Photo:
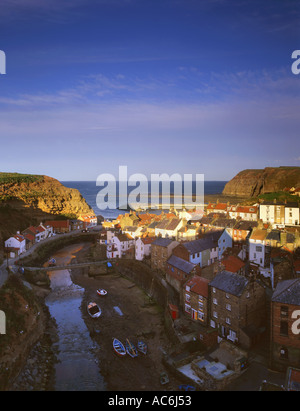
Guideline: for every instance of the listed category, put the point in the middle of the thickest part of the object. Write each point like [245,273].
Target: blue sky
[161,86]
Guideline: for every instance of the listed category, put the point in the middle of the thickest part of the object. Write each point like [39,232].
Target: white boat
[101,291]
[94,310]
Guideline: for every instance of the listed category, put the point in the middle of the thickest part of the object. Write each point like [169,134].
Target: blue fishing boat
[130,349]
[119,347]
[142,347]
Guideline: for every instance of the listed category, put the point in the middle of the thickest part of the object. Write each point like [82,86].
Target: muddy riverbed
[78,353]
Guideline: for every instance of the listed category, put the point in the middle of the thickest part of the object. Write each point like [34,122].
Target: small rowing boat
[130,349]
[142,347]
[164,378]
[119,347]
[94,310]
[101,291]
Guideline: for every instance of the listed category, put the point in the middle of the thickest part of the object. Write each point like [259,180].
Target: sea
[89,191]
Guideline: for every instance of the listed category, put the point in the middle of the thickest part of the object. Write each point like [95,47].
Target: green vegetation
[17,178]
[279,196]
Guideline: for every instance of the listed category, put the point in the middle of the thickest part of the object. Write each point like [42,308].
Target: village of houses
[236,269]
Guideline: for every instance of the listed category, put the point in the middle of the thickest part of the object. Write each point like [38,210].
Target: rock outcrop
[42,193]
[251,183]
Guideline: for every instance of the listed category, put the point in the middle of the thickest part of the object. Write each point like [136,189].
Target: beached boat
[101,291]
[119,347]
[186,387]
[94,310]
[130,349]
[164,378]
[142,347]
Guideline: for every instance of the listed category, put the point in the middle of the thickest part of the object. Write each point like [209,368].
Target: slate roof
[181,264]
[287,292]
[230,283]
[224,222]
[273,235]
[153,224]
[163,224]
[173,224]
[163,242]
[199,245]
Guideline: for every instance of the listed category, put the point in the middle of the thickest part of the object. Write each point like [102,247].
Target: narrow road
[10,262]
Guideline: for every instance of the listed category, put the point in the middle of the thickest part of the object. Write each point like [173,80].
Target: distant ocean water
[89,191]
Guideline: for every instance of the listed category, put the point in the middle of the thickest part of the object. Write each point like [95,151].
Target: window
[284,311]
[213,290]
[200,316]
[187,308]
[284,328]
[284,353]
[228,307]
[258,248]
[187,288]
[212,324]
[215,314]
[227,295]
[215,301]
[187,297]
[228,320]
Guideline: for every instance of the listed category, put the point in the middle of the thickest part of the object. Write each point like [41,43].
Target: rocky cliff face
[42,193]
[251,183]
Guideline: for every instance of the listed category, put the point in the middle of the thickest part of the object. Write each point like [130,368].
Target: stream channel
[77,368]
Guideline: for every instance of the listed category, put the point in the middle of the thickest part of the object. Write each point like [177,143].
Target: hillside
[29,199]
[252,183]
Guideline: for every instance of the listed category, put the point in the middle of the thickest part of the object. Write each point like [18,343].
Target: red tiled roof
[29,237]
[40,229]
[233,263]
[198,285]
[244,209]
[18,237]
[218,206]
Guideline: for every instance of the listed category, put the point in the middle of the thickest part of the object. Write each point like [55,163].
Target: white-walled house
[279,214]
[143,247]
[248,213]
[119,245]
[257,245]
[272,213]
[15,245]
[168,228]
[291,214]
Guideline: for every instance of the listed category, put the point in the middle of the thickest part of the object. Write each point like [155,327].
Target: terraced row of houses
[237,279]
[20,242]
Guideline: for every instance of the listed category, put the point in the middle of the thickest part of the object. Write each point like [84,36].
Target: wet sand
[126,313]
